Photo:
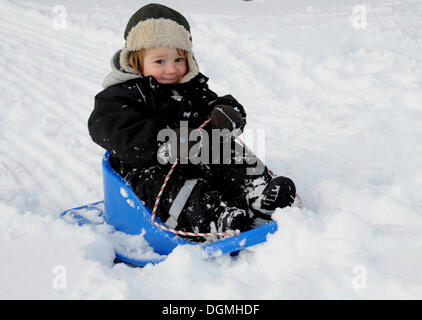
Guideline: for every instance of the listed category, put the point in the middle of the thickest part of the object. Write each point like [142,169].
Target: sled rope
[197,234]
[180,232]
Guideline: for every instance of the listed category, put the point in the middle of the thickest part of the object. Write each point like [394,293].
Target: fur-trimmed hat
[155,25]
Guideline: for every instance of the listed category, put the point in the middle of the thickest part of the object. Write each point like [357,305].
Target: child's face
[165,64]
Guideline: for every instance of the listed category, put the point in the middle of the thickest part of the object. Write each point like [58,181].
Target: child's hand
[226,117]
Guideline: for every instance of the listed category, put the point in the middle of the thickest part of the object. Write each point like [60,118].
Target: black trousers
[196,195]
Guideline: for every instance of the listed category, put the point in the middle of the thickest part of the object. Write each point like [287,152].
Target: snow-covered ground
[335,84]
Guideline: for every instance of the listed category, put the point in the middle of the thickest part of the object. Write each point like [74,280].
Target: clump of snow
[130,246]
[123,192]
[131,203]
[133,246]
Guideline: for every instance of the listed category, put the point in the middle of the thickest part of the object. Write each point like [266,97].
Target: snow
[127,245]
[123,192]
[130,202]
[339,99]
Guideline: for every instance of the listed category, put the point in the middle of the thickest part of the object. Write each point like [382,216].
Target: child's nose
[171,68]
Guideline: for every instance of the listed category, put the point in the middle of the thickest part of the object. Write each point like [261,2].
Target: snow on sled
[130,218]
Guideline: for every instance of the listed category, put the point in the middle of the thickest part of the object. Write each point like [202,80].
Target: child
[155,84]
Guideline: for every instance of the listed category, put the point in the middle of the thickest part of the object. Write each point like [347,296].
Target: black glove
[226,117]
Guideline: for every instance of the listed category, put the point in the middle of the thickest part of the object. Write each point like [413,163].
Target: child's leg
[247,184]
[188,204]
[241,179]
[207,211]
[237,187]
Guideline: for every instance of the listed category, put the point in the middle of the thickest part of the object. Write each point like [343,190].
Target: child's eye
[160,61]
[180,59]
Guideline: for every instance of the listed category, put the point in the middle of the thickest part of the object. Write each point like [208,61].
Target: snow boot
[280,192]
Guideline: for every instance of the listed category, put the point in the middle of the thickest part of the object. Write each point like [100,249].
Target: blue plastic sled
[126,213]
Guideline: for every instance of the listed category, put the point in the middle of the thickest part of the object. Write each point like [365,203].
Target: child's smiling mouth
[169,80]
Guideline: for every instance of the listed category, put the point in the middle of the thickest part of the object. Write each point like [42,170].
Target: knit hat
[155,25]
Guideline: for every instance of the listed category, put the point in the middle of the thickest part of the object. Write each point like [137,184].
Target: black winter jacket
[128,116]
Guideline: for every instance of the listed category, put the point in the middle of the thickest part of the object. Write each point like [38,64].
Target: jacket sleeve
[120,123]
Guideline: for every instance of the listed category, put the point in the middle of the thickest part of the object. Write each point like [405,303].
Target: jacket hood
[117,74]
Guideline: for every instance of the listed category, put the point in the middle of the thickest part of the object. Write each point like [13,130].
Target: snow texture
[335,84]
[130,246]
